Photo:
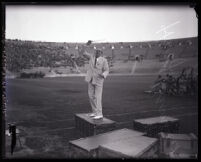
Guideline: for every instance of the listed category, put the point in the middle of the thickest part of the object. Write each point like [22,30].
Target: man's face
[98,53]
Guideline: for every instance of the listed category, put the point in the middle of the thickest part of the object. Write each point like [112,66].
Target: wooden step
[87,147]
[154,125]
[87,126]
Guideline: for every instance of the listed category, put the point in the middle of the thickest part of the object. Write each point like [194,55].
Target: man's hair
[89,42]
[99,51]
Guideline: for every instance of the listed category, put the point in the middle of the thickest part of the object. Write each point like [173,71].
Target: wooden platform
[88,126]
[87,147]
[136,147]
[153,126]
[178,145]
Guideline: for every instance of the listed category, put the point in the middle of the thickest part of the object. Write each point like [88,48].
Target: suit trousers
[95,98]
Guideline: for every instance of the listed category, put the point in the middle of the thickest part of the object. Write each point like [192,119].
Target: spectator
[171,85]
[191,83]
[157,87]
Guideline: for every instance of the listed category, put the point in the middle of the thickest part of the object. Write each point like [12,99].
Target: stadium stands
[22,55]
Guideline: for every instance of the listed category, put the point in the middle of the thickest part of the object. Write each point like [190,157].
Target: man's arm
[105,69]
[85,53]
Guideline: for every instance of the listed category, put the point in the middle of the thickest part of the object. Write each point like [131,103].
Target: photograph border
[193,4]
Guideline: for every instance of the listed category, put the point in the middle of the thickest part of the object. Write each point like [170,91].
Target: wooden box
[153,126]
[135,147]
[178,145]
[87,147]
[88,126]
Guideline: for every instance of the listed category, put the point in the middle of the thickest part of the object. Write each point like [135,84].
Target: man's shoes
[92,115]
[98,117]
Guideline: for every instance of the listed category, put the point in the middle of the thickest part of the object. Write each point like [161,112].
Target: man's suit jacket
[100,68]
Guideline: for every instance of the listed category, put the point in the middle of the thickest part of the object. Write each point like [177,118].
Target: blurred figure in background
[157,87]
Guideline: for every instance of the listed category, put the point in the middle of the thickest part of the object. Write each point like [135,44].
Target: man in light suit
[97,72]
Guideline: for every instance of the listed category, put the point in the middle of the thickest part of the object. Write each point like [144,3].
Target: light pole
[112,47]
[129,55]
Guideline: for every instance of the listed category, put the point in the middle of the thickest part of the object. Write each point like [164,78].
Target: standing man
[97,72]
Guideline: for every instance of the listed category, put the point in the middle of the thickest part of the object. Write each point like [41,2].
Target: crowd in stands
[184,83]
[26,54]
[19,57]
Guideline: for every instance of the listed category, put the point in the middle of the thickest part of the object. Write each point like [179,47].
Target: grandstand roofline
[146,41]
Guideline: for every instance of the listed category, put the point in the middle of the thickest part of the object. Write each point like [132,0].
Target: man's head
[89,42]
[98,53]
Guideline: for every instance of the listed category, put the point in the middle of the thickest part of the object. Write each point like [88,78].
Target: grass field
[44,109]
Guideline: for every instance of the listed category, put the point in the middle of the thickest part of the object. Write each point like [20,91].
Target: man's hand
[101,75]
[86,54]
